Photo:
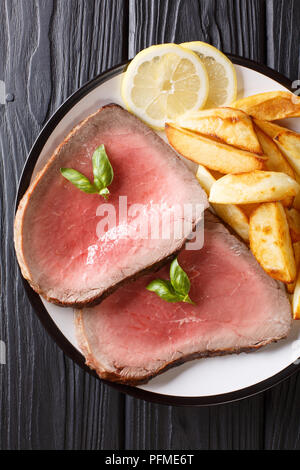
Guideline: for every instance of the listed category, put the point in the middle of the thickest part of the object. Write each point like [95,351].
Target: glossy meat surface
[74,247]
[134,334]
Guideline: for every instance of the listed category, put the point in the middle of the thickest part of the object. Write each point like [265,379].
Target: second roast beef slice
[59,249]
[134,335]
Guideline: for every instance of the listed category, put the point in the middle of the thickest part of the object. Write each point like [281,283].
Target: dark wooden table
[48,49]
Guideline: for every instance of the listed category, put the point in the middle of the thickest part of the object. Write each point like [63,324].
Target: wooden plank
[236,27]
[282,409]
[237,426]
[48,49]
[282,403]
[283,19]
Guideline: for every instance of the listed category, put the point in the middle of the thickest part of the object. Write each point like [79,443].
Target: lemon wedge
[221,74]
[163,82]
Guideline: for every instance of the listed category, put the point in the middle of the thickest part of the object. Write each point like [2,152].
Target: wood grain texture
[282,423]
[49,49]
[235,26]
[237,426]
[282,412]
[283,38]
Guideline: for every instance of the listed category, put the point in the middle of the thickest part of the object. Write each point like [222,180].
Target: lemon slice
[163,82]
[221,74]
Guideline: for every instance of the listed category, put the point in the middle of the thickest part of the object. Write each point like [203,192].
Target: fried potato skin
[230,126]
[212,154]
[293,218]
[289,143]
[270,241]
[253,187]
[270,106]
[296,247]
[231,214]
[276,161]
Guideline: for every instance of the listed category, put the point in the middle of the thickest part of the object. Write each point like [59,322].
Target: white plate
[201,381]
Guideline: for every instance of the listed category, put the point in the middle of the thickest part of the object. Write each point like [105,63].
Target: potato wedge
[205,178]
[271,105]
[293,218]
[212,154]
[296,202]
[276,161]
[296,300]
[270,241]
[227,125]
[296,247]
[232,215]
[269,128]
[289,143]
[253,187]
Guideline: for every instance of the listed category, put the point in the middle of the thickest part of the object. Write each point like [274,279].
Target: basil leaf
[175,290]
[79,180]
[164,290]
[179,279]
[102,169]
[103,175]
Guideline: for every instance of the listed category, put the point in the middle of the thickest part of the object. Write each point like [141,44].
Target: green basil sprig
[175,290]
[103,175]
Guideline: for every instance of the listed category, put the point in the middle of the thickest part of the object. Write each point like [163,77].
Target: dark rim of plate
[37,303]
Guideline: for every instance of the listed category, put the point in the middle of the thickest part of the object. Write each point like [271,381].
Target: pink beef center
[64,235]
[140,328]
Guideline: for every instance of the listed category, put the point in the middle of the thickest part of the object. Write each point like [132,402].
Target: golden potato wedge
[205,178]
[288,202]
[212,154]
[227,125]
[276,161]
[235,217]
[232,215]
[296,300]
[296,202]
[296,247]
[253,187]
[270,106]
[293,218]
[269,128]
[270,241]
[289,143]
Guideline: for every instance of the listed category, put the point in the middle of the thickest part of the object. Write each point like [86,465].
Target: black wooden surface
[48,48]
